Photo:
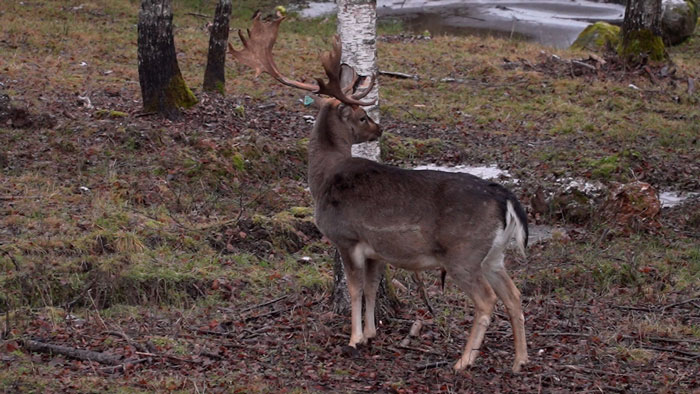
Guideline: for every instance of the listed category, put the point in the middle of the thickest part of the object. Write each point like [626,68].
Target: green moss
[598,36]
[180,94]
[640,44]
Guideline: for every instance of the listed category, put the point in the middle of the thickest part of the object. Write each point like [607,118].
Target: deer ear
[345,111]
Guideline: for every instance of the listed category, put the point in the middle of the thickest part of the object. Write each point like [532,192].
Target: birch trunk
[641,31]
[163,89]
[357,28]
[214,78]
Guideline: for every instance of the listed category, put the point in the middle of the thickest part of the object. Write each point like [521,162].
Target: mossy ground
[170,231]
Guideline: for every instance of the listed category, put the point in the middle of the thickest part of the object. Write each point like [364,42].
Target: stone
[679,19]
[598,37]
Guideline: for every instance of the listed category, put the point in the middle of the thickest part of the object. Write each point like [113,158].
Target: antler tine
[332,66]
[257,51]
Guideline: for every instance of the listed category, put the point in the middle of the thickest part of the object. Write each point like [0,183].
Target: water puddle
[671,199]
[485,172]
[549,22]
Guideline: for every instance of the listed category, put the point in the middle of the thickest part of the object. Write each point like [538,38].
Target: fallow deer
[416,220]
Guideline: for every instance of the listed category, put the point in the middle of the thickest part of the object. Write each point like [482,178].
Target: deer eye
[363,119]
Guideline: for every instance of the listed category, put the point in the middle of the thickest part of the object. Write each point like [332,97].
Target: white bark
[357,27]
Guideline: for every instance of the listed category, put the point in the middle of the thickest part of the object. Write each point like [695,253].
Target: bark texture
[214,78]
[641,31]
[357,27]
[162,87]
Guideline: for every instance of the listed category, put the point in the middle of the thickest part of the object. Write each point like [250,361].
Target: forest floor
[182,255]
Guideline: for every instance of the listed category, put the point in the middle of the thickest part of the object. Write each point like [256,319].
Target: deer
[412,219]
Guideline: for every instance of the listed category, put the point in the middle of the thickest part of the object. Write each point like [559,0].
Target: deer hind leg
[354,274]
[484,301]
[509,294]
[373,273]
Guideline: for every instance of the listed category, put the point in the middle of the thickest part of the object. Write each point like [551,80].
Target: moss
[598,36]
[180,94]
[640,44]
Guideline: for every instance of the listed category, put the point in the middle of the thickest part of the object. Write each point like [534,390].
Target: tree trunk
[357,28]
[163,89]
[641,31]
[214,79]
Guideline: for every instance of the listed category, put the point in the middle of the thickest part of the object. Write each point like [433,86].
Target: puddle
[671,199]
[488,172]
[550,22]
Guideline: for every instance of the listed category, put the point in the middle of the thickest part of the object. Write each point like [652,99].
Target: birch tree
[357,28]
[163,89]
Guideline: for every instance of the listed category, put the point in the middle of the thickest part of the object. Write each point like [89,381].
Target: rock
[598,37]
[678,20]
[577,200]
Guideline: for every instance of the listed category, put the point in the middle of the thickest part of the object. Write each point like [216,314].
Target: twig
[413,332]
[80,354]
[632,308]
[419,350]
[12,259]
[671,350]
[563,334]
[435,364]
[266,303]
[421,289]
[123,365]
[590,370]
[688,301]
[136,345]
[659,339]
[398,75]
[651,75]
[691,86]
[582,64]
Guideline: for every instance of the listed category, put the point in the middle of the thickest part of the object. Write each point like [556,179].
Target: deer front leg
[373,274]
[354,274]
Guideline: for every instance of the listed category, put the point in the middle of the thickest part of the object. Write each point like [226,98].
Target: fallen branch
[413,332]
[659,339]
[688,301]
[134,344]
[398,75]
[563,334]
[691,86]
[671,350]
[435,364]
[266,303]
[122,367]
[79,354]
[590,370]
[582,64]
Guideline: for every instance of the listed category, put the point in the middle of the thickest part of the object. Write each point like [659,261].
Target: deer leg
[509,294]
[354,274]
[484,301]
[372,277]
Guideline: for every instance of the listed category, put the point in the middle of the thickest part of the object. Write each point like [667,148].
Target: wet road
[551,22]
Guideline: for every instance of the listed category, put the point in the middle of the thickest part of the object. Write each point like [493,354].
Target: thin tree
[357,28]
[163,89]
[641,31]
[214,78]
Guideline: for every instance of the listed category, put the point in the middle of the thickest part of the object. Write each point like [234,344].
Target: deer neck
[328,146]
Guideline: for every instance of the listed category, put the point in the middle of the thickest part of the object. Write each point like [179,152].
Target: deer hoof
[518,364]
[461,364]
[349,351]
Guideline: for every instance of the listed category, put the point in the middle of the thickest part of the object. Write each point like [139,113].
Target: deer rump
[415,219]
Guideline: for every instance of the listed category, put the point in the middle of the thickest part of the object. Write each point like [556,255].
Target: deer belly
[403,247]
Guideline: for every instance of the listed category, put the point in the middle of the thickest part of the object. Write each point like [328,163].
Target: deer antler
[257,54]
